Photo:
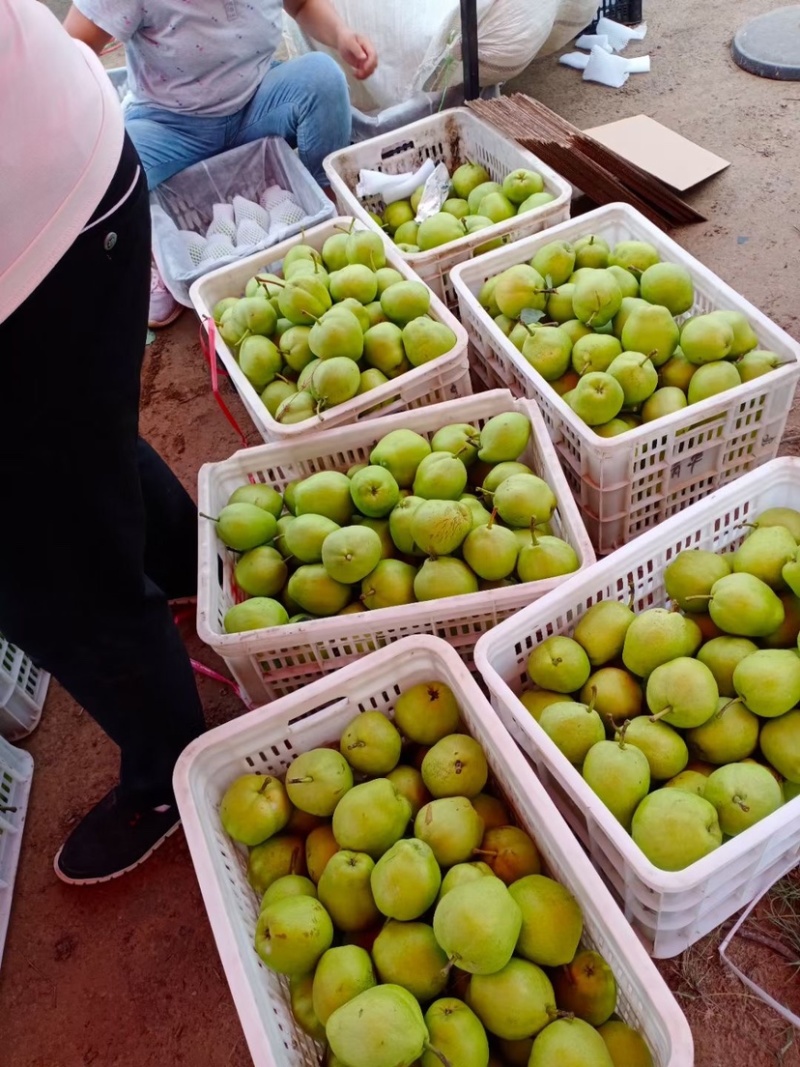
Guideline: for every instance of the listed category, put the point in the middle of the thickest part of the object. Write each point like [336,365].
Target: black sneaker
[117,835]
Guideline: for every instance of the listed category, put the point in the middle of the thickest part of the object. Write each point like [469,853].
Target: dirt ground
[127,974]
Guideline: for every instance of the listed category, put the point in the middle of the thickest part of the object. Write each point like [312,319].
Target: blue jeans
[305,101]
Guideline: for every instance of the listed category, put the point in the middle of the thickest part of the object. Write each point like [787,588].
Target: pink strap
[210,352]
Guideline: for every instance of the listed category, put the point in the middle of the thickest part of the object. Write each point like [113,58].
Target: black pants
[95,530]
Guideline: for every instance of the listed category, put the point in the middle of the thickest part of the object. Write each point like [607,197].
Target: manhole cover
[770,45]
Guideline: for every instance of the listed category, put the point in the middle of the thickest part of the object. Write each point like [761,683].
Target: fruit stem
[534,539]
[209,517]
[725,707]
[439,1055]
[263,280]
[492,517]
[265,784]
[621,730]
[299,781]
[699,596]
[739,802]
[661,714]
[631,594]
[592,698]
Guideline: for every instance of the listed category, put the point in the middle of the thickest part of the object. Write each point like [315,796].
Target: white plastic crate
[669,910]
[450,137]
[23,688]
[627,484]
[16,771]
[442,378]
[271,662]
[267,740]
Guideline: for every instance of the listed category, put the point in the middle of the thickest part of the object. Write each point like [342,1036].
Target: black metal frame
[469,49]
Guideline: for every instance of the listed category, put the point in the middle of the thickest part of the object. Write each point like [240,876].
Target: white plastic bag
[419,42]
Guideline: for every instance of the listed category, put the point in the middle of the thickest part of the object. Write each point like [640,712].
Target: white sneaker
[164,308]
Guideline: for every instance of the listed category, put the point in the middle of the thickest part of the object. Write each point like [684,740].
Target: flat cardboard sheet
[658,150]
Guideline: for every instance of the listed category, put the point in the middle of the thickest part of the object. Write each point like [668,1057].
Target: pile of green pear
[686,721]
[335,325]
[476,203]
[408,911]
[602,325]
[424,519]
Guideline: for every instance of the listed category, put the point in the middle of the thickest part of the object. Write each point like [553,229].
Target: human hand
[358,53]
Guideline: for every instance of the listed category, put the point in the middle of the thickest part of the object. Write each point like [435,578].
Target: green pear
[555,260]
[559,664]
[788,517]
[668,284]
[425,340]
[380,1027]
[743,794]
[597,398]
[365,247]
[574,728]
[321,846]
[400,520]
[517,288]
[627,282]
[595,352]
[338,334]
[253,808]
[523,499]
[552,922]
[462,873]
[515,1002]
[371,379]
[317,780]
[674,828]
[510,853]
[744,606]
[297,407]
[408,782]
[397,213]
[371,744]
[613,428]
[545,557]
[665,749]
[591,251]
[570,1042]
[710,379]
[400,452]
[456,206]
[615,694]
[627,307]
[499,472]
[764,553]
[292,934]
[768,681]
[383,348]
[651,329]
[597,299]
[633,255]
[688,781]
[626,1046]
[444,577]
[260,360]
[304,299]
[261,572]
[730,735]
[601,631]
[344,890]
[478,192]
[290,885]
[620,775]
[440,476]
[744,338]
[496,206]
[548,350]
[374,491]
[242,526]
[477,925]
[325,493]
[790,574]
[256,613]
[721,655]
[227,302]
[439,229]
[656,636]
[301,253]
[370,817]
[706,339]
[390,584]
[683,692]
[334,252]
[305,536]
[486,296]
[294,348]
[374,313]
[456,1034]
[691,575]
[406,880]
[314,591]
[350,554]
[461,439]
[427,712]
[637,376]
[559,305]
[342,973]
[780,744]
[536,201]
[455,766]
[491,551]
[587,988]
[522,183]
[334,381]
[664,401]
[756,363]
[263,496]
[407,954]
[256,314]
[440,526]
[504,437]
[677,372]
[451,827]
[279,855]
[466,177]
